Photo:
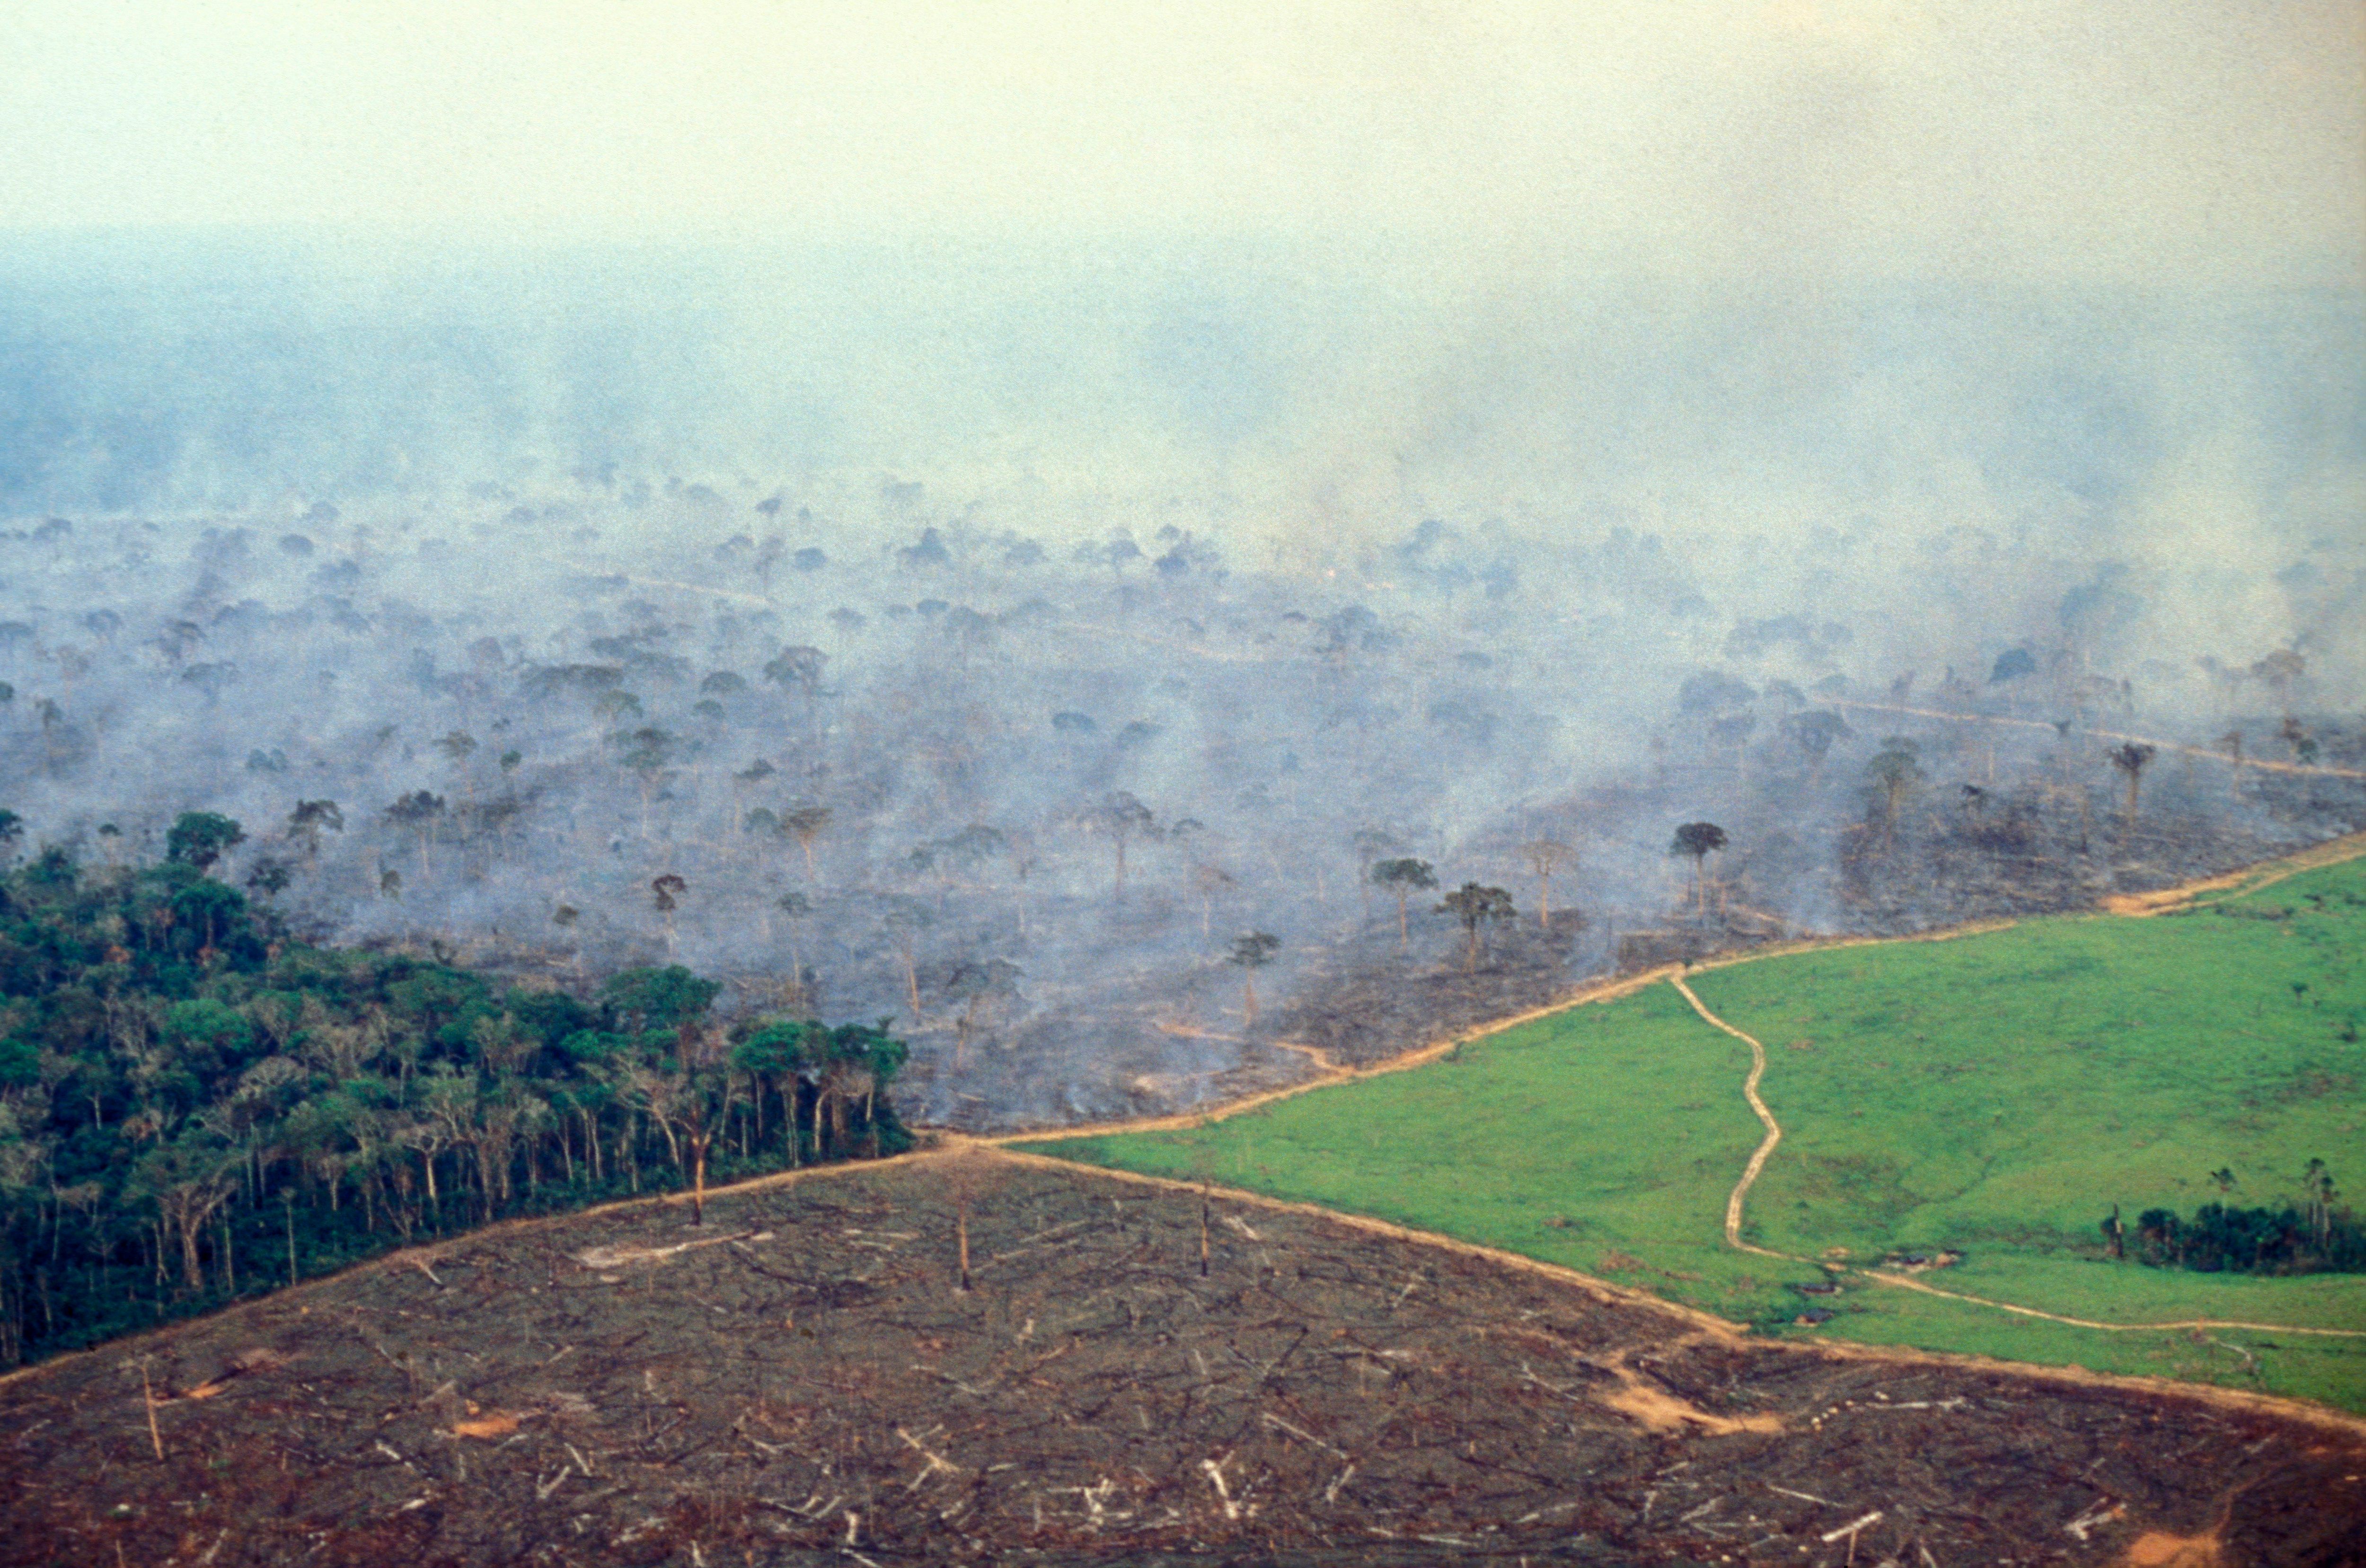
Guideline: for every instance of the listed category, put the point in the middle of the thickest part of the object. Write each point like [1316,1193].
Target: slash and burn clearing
[814,1387]
[1985,1101]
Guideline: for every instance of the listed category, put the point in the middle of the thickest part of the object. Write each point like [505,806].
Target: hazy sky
[2152,139]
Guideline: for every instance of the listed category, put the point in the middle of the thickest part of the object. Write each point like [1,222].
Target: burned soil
[802,1380]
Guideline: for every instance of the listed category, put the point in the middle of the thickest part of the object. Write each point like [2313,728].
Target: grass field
[1996,1094]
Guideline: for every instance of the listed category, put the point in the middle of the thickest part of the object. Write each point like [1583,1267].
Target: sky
[2169,142]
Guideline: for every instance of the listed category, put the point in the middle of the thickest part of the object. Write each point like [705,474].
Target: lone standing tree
[1404,878]
[1895,771]
[1545,856]
[1475,907]
[805,825]
[1700,840]
[1122,819]
[1252,951]
[2132,758]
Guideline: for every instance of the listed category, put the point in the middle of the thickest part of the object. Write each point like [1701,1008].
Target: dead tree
[1544,857]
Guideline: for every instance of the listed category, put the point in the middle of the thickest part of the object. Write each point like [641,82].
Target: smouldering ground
[815,1389]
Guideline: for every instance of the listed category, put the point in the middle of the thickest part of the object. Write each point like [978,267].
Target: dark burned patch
[1322,1396]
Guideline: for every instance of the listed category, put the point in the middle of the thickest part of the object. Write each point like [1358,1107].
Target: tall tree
[309,821]
[1814,732]
[2132,757]
[806,824]
[459,746]
[1120,818]
[800,668]
[189,1178]
[1700,840]
[1252,952]
[666,894]
[978,986]
[1477,907]
[1405,877]
[796,906]
[1895,771]
[1544,857]
[419,811]
[646,753]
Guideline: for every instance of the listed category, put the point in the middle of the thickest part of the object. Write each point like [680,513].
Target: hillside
[1991,1097]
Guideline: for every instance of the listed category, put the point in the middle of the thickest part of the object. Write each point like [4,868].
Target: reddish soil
[809,1386]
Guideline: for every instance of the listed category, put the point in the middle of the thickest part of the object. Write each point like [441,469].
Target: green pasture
[1994,1094]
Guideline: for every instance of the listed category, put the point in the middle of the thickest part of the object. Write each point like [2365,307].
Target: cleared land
[1993,1095]
[809,1387]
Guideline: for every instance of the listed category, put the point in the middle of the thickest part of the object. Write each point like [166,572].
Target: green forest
[195,1107]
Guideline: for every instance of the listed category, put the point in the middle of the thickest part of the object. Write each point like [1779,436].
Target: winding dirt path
[1774,1135]
[1774,1129]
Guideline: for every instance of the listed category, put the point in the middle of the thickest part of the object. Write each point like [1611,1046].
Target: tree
[459,746]
[2132,758]
[1895,771]
[2279,671]
[2317,1194]
[1700,840]
[2303,744]
[643,999]
[977,985]
[645,753]
[12,833]
[309,821]
[1476,907]
[776,1056]
[806,824]
[418,811]
[1814,732]
[201,838]
[1210,881]
[1403,877]
[800,668]
[1121,818]
[2013,664]
[858,1061]
[270,878]
[1252,952]
[796,906]
[187,1180]
[906,922]
[701,1104]
[666,893]
[1544,857]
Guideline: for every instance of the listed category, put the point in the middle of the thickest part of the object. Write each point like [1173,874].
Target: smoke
[1317,560]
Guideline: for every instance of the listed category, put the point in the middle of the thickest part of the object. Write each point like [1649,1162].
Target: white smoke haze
[1462,393]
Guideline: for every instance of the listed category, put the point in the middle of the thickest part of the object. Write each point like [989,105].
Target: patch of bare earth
[810,1387]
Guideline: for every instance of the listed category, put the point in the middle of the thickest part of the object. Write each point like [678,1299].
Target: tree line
[195,1106]
[2311,1237]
